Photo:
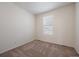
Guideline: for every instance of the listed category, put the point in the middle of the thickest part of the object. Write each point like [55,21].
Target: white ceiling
[40,7]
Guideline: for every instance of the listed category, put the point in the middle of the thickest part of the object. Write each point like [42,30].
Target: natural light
[47,25]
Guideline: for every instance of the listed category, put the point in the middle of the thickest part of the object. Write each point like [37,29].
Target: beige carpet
[39,48]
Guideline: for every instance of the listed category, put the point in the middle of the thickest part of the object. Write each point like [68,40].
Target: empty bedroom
[39,29]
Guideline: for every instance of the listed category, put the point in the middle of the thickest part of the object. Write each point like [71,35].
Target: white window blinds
[48,25]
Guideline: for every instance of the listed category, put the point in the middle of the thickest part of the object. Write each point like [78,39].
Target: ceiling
[40,7]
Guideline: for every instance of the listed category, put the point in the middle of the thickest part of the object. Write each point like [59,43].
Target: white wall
[16,26]
[64,26]
[77,28]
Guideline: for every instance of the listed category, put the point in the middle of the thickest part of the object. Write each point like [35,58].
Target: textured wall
[16,26]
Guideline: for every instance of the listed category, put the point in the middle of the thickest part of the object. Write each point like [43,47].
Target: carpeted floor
[39,48]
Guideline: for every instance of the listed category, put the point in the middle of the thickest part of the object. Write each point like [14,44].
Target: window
[47,25]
